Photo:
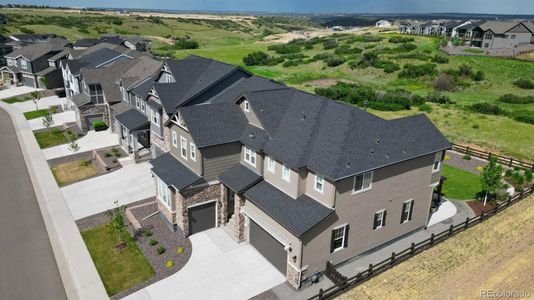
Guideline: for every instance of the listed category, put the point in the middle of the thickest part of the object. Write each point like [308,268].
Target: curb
[77,270]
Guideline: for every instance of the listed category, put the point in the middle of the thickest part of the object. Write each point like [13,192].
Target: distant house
[36,65]
[383,23]
[447,28]
[502,35]
[136,42]
[3,19]
[411,27]
[86,43]
[465,30]
[338,28]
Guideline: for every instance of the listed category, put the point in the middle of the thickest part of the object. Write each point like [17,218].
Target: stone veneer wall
[92,110]
[222,205]
[239,229]
[191,197]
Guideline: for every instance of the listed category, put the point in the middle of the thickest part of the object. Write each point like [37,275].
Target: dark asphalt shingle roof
[92,60]
[87,42]
[226,123]
[155,105]
[239,178]
[253,83]
[173,172]
[254,137]
[143,88]
[133,119]
[296,215]
[39,49]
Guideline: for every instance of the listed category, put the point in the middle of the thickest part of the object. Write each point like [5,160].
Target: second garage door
[268,246]
[201,217]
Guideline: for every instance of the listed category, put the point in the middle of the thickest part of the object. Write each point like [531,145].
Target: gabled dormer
[249,112]
[165,75]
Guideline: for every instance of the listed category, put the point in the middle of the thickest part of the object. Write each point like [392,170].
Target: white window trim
[344,226]
[270,164]
[382,212]
[354,192]
[246,105]
[155,115]
[163,190]
[174,139]
[437,156]
[192,151]
[251,154]
[317,179]
[183,145]
[24,64]
[410,208]
[286,177]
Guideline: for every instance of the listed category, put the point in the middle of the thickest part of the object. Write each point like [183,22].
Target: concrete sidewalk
[16,91]
[361,262]
[129,184]
[59,119]
[43,103]
[78,273]
[91,141]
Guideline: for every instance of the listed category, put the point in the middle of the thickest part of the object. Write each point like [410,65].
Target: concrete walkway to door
[219,268]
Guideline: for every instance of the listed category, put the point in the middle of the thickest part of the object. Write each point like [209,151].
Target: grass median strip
[118,270]
[51,138]
[36,114]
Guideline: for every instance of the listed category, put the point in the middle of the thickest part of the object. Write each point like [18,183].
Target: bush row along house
[487,35]
[302,178]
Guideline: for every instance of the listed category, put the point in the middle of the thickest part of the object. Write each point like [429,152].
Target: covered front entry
[268,246]
[201,217]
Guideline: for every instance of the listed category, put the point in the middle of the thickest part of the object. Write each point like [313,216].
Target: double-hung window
[174,139]
[339,238]
[246,105]
[363,182]
[319,184]
[155,118]
[137,102]
[380,219]
[164,194]
[270,164]
[437,162]
[407,208]
[193,151]
[250,156]
[23,64]
[286,174]
[183,147]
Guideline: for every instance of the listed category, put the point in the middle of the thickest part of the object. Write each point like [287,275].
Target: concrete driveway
[129,184]
[91,141]
[42,104]
[16,91]
[219,268]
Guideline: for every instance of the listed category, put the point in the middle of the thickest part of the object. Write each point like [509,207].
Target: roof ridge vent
[378,140]
[251,136]
[347,164]
[303,116]
[372,151]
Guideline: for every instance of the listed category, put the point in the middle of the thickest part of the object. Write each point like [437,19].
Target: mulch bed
[109,157]
[160,232]
[479,208]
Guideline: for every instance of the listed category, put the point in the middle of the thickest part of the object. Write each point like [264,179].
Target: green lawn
[36,114]
[118,270]
[47,139]
[476,51]
[13,100]
[460,185]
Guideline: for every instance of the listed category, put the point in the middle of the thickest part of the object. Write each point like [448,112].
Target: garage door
[28,81]
[201,217]
[268,246]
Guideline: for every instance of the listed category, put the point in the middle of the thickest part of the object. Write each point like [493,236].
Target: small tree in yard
[36,97]
[48,121]
[490,178]
[117,223]
[73,146]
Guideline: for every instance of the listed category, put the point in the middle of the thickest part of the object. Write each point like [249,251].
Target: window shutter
[403,213]
[411,210]
[376,224]
[332,242]
[346,239]
[384,220]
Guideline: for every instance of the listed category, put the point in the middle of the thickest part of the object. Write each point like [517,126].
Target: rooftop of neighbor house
[499,27]
[34,51]
[145,67]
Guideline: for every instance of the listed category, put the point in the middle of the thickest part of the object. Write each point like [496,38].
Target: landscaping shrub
[477,76]
[528,175]
[487,108]
[367,38]
[292,63]
[169,264]
[285,48]
[523,116]
[180,250]
[329,44]
[349,93]
[345,49]
[414,55]
[508,173]
[334,61]
[467,157]
[368,59]
[440,59]
[444,82]
[524,84]
[465,70]
[415,71]
[185,43]
[425,107]
[391,67]
[147,232]
[406,47]
[400,39]
[99,125]
[259,59]
[439,98]
[160,250]
[117,21]
[86,163]
[514,99]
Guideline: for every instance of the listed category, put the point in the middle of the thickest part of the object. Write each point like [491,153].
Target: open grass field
[118,270]
[480,258]
[460,185]
[74,171]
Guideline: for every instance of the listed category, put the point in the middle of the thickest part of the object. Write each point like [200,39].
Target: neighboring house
[85,43]
[302,178]
[446,29]
[383,23]
[465,30]
[35,65]
[411,27]
[136,42]
[4,49]
[428,28]
[501,35]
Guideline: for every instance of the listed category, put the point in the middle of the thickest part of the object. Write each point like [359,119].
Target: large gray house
[502,35]
[302,178]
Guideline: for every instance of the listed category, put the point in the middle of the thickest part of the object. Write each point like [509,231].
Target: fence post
[509,201]
[496,209]
[370,270]
[450,229]
[521,193]
[432,236]
[510,163]
[482,217]
[489,155]
[412,248]
[466,222]
[392,258]
[321,294]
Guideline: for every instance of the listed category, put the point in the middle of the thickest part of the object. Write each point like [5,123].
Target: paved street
[28,269]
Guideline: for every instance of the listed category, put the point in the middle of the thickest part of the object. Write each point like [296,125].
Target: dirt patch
[479,208]
[161,39]
[286,37]
[477,259]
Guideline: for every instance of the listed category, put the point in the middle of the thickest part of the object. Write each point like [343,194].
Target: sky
[523,7]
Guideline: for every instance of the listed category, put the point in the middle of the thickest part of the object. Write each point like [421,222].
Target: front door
[201,217]
[230,207]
